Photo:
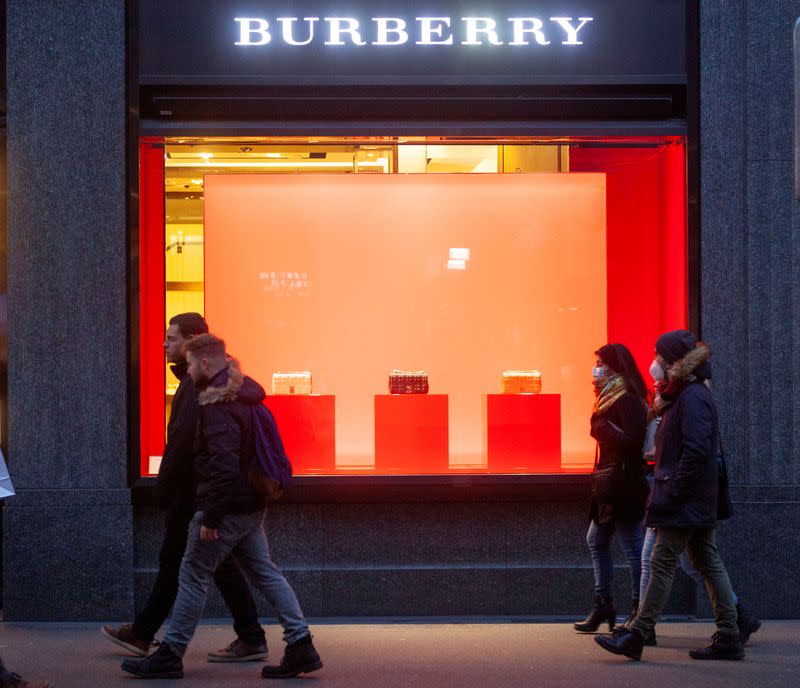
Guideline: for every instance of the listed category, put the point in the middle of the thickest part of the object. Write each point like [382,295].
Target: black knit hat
[674,345]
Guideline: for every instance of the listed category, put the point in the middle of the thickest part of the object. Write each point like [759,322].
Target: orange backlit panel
[523,433]
[464,276]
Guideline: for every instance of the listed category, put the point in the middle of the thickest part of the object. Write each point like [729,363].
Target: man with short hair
[683,501]
[229,519]
[176,493]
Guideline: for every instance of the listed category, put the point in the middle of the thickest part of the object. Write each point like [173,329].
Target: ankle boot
[603,611]
[300,657]
[629,642]
[722,646]
[163,663]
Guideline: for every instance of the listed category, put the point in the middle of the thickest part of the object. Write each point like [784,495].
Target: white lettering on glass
[253,25]
[288,29]
[531,25]
[571,31]
[484,25]
[434,27]
[397,29]
[343,25]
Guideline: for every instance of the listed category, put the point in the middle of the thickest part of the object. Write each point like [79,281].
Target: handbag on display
[521,382]
[291,383]
[408,382]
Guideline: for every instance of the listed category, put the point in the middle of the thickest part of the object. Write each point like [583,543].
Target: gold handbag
[291,383]
[408,382]
[521,382]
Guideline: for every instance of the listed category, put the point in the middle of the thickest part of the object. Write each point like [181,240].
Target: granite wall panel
[67,259]
[67,313]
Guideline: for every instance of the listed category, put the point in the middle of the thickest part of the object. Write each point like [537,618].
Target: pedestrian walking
[176,494]
[619,490]
[229,518]
[682,506]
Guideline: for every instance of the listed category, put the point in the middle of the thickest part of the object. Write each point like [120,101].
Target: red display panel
[152,401]
[523,433]
[307,426]
[411,433]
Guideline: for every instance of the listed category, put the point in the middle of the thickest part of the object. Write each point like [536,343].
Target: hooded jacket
[175,486]
[686,484]
[225,445]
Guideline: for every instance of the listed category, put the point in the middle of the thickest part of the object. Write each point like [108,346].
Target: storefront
[418,188]
[463,195]
[346,190]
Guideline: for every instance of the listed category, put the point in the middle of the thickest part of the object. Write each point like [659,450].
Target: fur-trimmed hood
[229,385]
[694,363]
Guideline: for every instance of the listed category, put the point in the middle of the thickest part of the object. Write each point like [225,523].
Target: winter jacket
[175,486]
[686,484]
[620,435]
[225,445]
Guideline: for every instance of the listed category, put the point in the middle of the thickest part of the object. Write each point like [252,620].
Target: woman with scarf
[619,489]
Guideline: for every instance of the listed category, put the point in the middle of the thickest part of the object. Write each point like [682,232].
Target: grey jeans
[243,536]
[703,555]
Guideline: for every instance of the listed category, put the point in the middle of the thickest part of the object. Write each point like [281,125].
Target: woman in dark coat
[619,489]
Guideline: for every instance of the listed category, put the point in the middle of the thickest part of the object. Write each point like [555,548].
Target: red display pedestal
[307,426]
[411,434]
[524,433]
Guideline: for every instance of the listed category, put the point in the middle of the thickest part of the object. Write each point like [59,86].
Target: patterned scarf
[614,389]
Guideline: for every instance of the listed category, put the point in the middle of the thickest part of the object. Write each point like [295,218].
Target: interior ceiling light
[273,155]
[206,156]
[197,181]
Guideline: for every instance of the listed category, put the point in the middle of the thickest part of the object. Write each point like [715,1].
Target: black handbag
[607,483]
[724,504]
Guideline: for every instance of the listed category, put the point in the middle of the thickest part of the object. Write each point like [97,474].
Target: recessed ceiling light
[206,156]
[273,155]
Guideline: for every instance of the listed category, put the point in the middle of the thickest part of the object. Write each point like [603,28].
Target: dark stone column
[751,272]
[68,534]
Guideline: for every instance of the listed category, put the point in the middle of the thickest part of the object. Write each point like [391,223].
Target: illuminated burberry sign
[396,31]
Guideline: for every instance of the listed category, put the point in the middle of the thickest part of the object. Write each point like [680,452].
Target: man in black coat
[229,519]
[176,494]
[683,502]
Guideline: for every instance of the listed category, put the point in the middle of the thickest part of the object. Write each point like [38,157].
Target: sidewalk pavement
[500,654]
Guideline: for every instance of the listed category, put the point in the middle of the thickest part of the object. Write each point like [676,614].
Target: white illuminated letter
[487,26]
[340,25]
[433,27]
[531,25]
[572,32]
[253,25]
[288,29]
[398,29]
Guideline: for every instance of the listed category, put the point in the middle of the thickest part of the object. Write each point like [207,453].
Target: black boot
[163,663]
[300,657]
[628,642]
[603,611]
[650,641]
[747,623]
[722,646]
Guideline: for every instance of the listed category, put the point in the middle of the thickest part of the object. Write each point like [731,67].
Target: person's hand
[209,534]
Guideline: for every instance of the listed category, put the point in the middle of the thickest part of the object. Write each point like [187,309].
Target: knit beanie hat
[674,345]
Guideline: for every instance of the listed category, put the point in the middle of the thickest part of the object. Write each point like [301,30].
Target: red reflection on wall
[646,239]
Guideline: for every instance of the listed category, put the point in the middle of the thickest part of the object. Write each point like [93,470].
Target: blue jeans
[243,536]
[599,540]
[683,561]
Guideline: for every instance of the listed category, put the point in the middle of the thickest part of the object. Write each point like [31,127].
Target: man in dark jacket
[229,519]
[683,502]
[176,493]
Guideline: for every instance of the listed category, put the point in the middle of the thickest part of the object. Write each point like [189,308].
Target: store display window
[413,306]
